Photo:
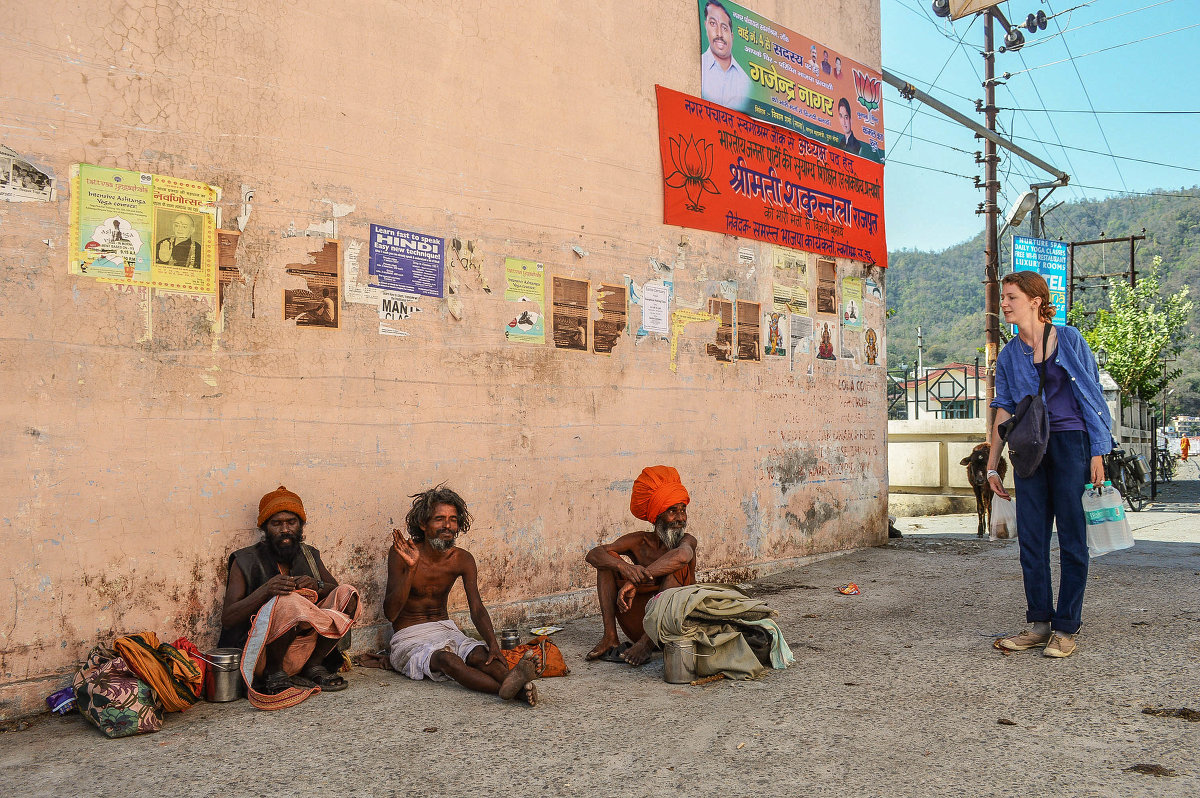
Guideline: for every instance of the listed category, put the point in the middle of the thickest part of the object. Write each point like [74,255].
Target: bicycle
[1166,465]
[1127,472]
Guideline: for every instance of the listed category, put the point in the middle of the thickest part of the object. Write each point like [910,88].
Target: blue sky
[1145,64]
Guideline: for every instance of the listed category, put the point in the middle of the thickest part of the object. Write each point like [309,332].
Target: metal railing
[938,393]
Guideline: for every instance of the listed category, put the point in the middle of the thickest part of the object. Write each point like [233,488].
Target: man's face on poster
[844,118]
[182,227]
[720,32]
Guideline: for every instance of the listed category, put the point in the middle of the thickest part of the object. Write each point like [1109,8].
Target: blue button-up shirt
[1017,377]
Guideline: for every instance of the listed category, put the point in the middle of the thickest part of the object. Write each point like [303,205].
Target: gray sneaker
[1060,645]
[1024,640]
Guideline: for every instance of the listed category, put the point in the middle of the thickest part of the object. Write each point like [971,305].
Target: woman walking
[1080,434]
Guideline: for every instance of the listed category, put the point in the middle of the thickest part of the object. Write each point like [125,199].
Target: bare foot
[521,675]
[639,652]
[529,694]
[605,645]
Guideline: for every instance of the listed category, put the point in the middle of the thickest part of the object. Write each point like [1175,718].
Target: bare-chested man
[663,557]
[422,568]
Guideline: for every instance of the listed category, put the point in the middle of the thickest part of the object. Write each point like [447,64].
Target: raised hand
[407,550]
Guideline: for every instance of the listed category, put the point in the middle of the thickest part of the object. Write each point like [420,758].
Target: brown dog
[976,464]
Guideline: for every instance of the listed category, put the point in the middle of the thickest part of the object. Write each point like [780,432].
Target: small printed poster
[402,260]
[777,334]
[525,284]
[852,298]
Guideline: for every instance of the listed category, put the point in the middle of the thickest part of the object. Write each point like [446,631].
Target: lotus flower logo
[868,89]
[693,162]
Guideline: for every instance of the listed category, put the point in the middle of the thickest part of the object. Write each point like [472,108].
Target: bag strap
[1042,373]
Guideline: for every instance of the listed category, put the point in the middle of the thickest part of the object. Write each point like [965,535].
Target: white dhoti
[411,648]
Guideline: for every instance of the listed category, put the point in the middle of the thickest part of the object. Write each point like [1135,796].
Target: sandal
[328,682]
[279,681]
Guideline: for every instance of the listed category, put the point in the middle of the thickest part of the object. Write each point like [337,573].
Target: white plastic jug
[1107,527]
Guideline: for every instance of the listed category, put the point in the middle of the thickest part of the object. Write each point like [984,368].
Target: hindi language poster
[405,261]
[135,228]
[727,173]
[751,64]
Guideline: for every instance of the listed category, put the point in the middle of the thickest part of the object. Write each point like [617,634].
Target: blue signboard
[405,261]
[1049,259]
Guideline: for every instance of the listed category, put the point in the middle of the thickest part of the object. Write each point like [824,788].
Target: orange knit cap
[278,501]
[656,489]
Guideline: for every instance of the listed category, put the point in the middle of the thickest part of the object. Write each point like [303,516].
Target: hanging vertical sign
[1049,259]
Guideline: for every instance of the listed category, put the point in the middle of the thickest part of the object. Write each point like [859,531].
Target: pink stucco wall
[139,430]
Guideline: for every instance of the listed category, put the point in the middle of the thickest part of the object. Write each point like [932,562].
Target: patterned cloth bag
[113,698]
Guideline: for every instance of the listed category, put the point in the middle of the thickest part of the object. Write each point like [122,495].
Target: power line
[931,141]
[1087,96]
[1072,58]
[890,161]
[1143,193]
[1120,157]
[1063,32]
[1085,111]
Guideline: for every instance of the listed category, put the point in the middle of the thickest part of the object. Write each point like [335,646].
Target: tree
[1139,330]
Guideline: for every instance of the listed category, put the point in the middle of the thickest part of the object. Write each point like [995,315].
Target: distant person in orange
[1184,445]
[662,557]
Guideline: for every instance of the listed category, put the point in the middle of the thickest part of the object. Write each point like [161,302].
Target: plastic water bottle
[1104,512]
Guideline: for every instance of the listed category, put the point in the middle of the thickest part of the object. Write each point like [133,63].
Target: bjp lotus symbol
[868,89]
[693,162]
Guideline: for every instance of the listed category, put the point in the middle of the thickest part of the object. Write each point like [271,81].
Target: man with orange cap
[285,609]
[633,568]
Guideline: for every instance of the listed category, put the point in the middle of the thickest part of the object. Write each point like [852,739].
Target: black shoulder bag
[1028,431]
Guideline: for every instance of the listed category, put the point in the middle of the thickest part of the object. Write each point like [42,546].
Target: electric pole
[991,248]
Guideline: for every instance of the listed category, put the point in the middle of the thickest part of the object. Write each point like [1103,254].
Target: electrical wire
[1072,58]
[1063,32]
[928,169]
[1119,157]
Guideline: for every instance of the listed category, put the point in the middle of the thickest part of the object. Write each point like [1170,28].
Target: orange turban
[656,489]
[278,501]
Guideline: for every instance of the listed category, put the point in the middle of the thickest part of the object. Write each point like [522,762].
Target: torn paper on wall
[394,306]
[800,332]
[317,305]
[569,302]
[356,289]
[21,181]
[749,331]
[227,268]
[680,319]
[606,330]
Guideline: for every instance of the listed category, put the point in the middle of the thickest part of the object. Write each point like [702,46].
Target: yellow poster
[135,228]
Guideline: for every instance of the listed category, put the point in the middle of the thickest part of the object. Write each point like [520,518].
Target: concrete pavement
[895,692]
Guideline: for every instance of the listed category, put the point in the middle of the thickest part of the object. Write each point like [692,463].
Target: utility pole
[991,248]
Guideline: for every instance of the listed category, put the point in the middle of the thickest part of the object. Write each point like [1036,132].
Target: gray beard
[442,545]
[670,536]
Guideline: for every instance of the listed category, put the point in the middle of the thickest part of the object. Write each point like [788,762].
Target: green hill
[942,292]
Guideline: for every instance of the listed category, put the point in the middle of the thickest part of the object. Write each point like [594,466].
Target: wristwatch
[993,473]
[320,585]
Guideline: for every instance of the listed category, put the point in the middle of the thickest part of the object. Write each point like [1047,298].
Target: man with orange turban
[633,568]
[285,610]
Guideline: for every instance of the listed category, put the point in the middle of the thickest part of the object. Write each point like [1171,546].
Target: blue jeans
[1055,494]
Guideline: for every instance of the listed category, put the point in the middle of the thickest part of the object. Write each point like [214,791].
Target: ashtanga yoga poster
[135,228]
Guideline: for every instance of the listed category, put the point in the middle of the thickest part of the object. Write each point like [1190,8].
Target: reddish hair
[1033,285]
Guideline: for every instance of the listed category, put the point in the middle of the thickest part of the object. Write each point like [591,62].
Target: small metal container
[679,661]
[509,638]
[223,681]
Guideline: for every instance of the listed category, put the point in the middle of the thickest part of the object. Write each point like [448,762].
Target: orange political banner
[728,173]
